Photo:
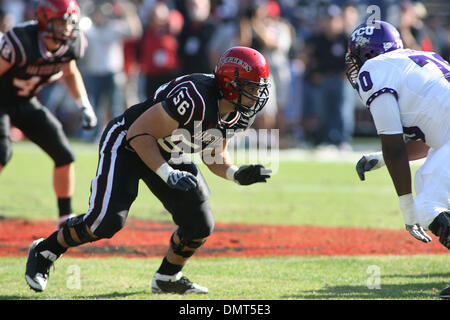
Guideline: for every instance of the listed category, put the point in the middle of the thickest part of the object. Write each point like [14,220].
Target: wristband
[230,172]
[164,171]
[406,203]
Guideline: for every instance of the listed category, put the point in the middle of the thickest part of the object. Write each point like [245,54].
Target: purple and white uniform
[417,105]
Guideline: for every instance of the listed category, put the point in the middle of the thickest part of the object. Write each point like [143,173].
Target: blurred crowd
[134,46]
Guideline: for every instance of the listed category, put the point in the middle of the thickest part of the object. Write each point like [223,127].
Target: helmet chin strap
[56,41]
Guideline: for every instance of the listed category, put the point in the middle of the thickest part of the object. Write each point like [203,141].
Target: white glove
[89,118]
[406,203]
[88,114]
[417,232]
[369,162]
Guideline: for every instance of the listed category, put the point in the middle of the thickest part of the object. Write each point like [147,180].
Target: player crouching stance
[408,94]
[141,144]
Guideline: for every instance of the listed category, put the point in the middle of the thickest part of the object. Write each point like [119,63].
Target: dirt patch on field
[141,238]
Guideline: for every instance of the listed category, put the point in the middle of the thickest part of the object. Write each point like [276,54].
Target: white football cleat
[175,284]
[38,266]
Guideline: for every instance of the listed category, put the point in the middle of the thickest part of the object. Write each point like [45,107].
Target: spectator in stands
[6,21]
[158,54]
[263,29]
[350,17]
[324,80]
[194,37]
[275,36]
[15,11]
[445,52]
[103,64]
[435,30]
[411,26]
[226,32]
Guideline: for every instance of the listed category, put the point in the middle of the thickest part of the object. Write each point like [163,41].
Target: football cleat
[177,284]
[38,266]
[445,293]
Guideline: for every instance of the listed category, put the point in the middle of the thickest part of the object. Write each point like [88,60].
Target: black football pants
[115,187]
[40,126]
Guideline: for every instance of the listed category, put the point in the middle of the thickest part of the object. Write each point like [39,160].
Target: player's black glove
[249,174]
[182,180]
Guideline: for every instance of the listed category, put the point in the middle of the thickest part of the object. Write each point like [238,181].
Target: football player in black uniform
[33,54]
[193,113]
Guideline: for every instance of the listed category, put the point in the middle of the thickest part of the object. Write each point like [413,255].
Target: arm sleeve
[386,114]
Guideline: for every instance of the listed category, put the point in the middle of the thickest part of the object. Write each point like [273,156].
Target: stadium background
[304,42]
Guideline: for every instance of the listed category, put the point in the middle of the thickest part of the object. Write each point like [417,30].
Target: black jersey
[33,65]
[192,100]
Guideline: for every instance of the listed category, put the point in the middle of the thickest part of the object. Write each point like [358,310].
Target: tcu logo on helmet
[368,31]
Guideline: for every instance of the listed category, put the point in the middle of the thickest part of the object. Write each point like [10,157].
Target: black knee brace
[190,245]
[80,228]
[441,228]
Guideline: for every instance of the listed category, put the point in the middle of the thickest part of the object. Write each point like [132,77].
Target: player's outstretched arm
[142,136]
[244,175]
[416,150]
[218,160]
[75,86]
[397,161]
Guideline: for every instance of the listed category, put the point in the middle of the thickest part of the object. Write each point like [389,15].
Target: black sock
[168,268]
[65,206]
[51,244]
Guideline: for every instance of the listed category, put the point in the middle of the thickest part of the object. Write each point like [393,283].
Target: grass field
[303,192]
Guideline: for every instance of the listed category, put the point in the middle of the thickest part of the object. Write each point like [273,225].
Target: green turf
[372,277]
[300,193]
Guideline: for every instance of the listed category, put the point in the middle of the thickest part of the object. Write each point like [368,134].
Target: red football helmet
[243,72]
[58,19]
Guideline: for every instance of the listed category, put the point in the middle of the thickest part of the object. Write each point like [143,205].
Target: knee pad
[186,248]
[76,231]
[111,224]
[441,228]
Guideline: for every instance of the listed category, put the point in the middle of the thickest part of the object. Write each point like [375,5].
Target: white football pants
[432,186]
